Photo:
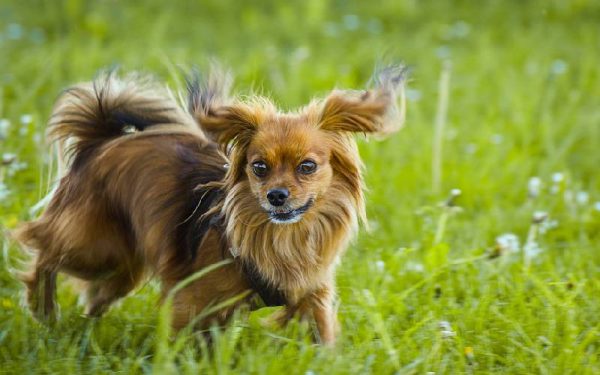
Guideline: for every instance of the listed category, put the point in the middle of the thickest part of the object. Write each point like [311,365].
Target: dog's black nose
[278,196]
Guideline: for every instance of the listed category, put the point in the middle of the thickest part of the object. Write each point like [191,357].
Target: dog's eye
[307,167]
[260,168]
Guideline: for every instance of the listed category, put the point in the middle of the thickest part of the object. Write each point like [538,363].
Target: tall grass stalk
[440,125]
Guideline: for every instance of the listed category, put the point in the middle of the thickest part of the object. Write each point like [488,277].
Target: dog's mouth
[289,216]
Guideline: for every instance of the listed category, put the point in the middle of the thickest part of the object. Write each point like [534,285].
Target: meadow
[483,252]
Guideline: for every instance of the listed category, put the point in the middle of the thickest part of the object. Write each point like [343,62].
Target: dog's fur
[153,190]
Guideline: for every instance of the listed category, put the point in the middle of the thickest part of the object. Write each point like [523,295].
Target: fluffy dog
[154,190]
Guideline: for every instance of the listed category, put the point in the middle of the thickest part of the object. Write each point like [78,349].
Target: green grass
[523,101]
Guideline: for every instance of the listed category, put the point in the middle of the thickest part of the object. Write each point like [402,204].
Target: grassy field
[485,283]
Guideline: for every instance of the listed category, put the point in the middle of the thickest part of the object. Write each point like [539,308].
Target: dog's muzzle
[289,216]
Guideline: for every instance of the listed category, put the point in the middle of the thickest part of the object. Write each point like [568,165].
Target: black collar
[270,295]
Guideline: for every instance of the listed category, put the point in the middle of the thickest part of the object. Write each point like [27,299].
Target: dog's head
[294,162]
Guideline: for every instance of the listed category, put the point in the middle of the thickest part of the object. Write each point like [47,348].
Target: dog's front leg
[324,314]
[317,305]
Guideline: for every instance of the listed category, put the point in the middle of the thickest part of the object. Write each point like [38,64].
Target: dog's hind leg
[41,292]
[102,293]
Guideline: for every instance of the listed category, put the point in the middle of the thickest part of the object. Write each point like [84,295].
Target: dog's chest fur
[293,258]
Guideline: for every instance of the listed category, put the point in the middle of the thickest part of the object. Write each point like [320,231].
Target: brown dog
[154,190]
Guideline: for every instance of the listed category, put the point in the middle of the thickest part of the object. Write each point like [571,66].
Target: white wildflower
[547,225]
[4,125]
[380,264]
[8,158]
[534,186]
[446,329]
[351,21]
[443,52]
[582,198]
[531,249]
[508,242]
[14,31]
[460,29]
[415,267]
[497,139]
[4,192]
[557,177]
[26,119]
[539,216]
[470,148]
[559,67]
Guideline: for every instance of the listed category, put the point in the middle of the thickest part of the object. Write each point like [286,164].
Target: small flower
[497,139]
[26,119]
[460,29]
[557,177]
[539,216]
[547,225]
[8,158]
[380,264]
[415,267]
[14,31]
[534,186]
[582,198]
[443,52]
[470,148]
[508,243]
[446,329]
[4,192]
[455,192]
[531,249]
[351,21]
[4,125]
[597,206]
[559,67]
[451,200]
[469,354]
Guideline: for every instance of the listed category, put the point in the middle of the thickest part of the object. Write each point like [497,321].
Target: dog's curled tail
[90,114]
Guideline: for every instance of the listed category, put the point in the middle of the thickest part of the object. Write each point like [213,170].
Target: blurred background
[484,250]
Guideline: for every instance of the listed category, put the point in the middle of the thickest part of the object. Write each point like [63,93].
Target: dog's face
[288,169]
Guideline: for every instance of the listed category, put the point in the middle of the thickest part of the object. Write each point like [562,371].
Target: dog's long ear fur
[373,111]
[218,116]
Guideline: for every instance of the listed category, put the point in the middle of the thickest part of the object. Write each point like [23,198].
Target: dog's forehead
[291,137]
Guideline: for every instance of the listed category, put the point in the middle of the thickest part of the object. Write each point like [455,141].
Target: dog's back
[132,191]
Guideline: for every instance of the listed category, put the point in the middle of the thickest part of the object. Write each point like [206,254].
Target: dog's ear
[379,110]
[210,104]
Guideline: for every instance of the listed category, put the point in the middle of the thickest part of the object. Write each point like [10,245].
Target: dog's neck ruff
[290,258]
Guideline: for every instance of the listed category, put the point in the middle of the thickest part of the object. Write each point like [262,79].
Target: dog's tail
[90,114]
